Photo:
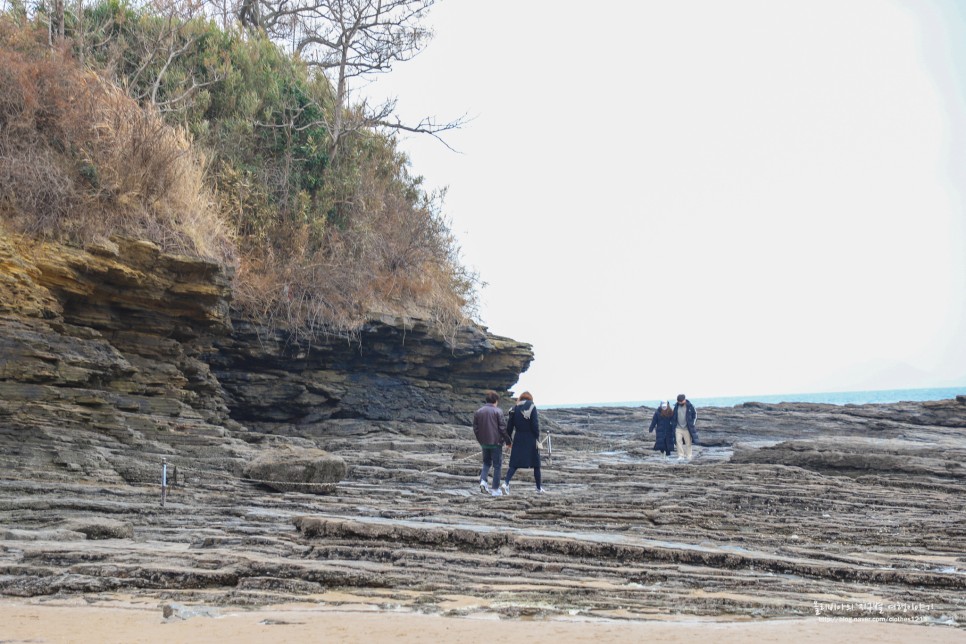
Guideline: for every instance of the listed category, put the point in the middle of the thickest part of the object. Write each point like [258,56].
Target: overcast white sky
[720,198]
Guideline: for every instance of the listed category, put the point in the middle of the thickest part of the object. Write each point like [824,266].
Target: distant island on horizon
[882,396]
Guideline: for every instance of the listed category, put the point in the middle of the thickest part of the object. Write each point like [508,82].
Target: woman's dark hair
[526,396]
[666,411]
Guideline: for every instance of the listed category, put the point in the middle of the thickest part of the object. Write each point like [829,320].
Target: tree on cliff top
[350,40]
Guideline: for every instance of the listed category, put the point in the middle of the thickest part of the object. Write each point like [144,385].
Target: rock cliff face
[119,353]
[395,370]
[101,359]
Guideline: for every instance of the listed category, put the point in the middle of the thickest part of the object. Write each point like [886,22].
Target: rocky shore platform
[339,472]
[786,511]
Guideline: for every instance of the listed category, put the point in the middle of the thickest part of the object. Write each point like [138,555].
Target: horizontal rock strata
[116,357]
[392,369]
[102,361]
[620,534]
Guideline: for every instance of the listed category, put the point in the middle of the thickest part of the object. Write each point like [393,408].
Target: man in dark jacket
[683,423]
[490,430]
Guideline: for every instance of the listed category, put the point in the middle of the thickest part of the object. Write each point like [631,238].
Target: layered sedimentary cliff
[395,369]
[119,354]
[102,359]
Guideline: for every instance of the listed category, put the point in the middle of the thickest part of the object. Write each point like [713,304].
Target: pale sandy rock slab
[41,535]
[101,528]
[297,469]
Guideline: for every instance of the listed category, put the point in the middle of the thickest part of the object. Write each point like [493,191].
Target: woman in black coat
[665,433]
[523,426]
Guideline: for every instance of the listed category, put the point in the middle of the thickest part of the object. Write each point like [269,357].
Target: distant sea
[831,398]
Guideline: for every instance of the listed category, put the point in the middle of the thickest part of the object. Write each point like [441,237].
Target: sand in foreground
[22,621]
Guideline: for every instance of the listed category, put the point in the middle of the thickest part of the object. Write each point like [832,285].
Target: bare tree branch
[350,40]
[172,55]
[176,102]
[427,126]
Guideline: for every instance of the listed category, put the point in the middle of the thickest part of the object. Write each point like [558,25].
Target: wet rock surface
[785,510]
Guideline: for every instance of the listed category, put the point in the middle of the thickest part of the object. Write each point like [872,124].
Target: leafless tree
[57,21]
[350,41]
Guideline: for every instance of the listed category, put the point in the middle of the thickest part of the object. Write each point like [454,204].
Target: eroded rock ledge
[396,370]
[116,355]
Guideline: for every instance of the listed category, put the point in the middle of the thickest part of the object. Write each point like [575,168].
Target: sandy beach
[77,620]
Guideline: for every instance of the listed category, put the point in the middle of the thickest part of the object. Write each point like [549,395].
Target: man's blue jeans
[492,456]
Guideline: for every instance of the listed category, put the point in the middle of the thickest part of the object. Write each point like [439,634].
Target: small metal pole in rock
[164,479]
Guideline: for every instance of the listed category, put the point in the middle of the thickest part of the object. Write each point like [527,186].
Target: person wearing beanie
[664,442]
[682,420]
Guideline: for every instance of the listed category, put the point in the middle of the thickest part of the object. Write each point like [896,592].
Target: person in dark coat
[665,432]
[523,426]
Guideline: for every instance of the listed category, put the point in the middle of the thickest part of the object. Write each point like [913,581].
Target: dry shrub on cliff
[386,250]
[337,288]
[322,241]
[80,160]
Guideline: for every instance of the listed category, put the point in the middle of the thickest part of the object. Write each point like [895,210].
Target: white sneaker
[680,459]
[496,493]
[484,488]
[505,489]
[540,490]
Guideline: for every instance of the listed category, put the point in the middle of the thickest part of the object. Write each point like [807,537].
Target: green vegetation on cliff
[214,141]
